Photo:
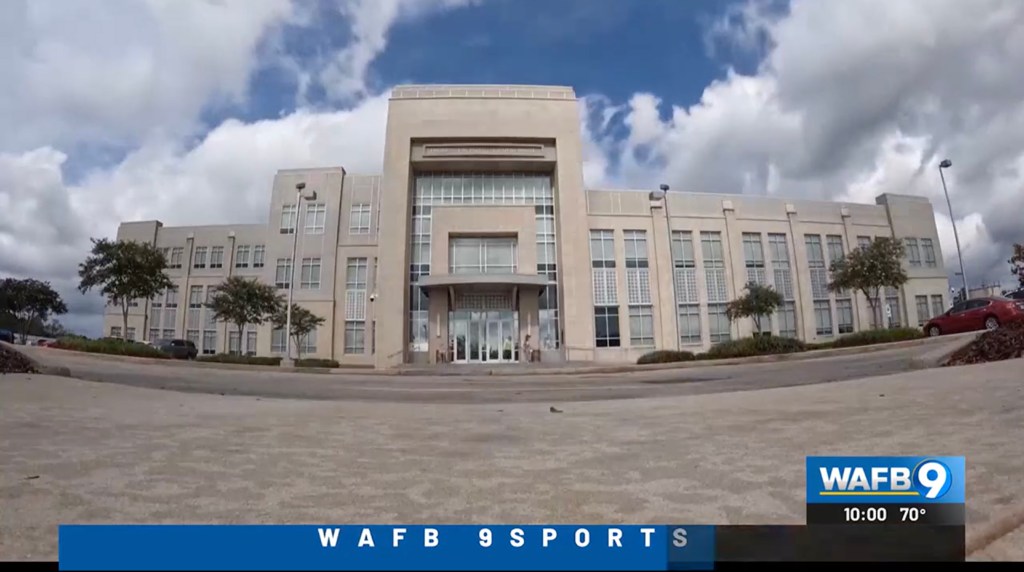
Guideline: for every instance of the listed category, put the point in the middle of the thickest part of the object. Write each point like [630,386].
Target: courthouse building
[481,232]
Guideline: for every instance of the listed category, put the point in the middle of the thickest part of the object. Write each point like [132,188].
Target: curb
[617,368]
[1006,523]
[59,371]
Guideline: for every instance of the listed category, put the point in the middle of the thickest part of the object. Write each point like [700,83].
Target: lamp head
[300,186]
[945,164]
[663,187]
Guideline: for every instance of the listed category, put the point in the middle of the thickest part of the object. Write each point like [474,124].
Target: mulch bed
[1005,343]
[14,362]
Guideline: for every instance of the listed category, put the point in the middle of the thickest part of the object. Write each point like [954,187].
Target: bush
[240,359]
[869,337]
[111,346]
[317,362]
[13,362]
[665,356]
[761,345]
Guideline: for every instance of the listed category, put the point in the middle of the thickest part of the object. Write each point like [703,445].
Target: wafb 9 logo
[885,479]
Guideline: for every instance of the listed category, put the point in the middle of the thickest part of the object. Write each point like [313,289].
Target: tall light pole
[672,265]
[945,164]
[299,187]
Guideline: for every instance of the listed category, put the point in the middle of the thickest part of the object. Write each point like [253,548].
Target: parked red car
[976,314]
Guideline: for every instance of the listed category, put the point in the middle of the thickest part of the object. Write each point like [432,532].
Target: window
[217,257]
[283,273]
[195,297]
[482,256]
[913,252]
[359,219]
[242,256]
[192,336]
[355,289]
[289,214]
[278,341]
[753,254]
[200,258]
[308,345]
[835,254]
[154,334]
[316,215]
[602,261]
[892,301]
[259,253]
[250,343]
[234,342]
[130,333]
[844,316]
[355,337]
[938,308]
[547,265]
[419,266]
[719,326]
[115,331]
[209,342]
[641,326]
[863,241]
[685,284]
[464,188]
[823,317]
[309,274]
[816,266]
[176,255]
[929,252]
[922,309]
[606,327]
[783,276]
[168,333]
[170,311]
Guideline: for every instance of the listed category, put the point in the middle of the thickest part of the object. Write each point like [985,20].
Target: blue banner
[893,480]
[385,547]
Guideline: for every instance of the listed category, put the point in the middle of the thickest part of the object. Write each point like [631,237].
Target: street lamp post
[945,164]
[299,187]
[672,265]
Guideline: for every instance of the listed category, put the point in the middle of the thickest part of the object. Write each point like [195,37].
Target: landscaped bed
[13,362]
[1006,342]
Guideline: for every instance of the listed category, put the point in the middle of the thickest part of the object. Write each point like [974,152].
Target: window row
[309,273]
[482,189]
[916,247]
[246,256]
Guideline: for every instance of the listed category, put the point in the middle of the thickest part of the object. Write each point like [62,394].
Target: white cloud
[850,100]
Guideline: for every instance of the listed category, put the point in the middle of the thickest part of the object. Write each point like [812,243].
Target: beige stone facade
[480,232]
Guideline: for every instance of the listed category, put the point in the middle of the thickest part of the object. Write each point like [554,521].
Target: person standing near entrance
[527,353]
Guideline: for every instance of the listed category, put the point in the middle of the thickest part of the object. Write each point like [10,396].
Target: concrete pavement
[76,451]
[509,388]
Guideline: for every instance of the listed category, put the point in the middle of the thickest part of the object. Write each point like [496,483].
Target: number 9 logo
[932,479]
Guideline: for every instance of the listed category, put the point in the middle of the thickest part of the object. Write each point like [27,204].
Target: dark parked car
[7,336]
[976,314]
[1016,294]
[177,349]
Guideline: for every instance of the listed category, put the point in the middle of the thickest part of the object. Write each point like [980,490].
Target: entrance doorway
[484,336]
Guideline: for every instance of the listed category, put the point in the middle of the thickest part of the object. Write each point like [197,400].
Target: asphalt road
[491,388]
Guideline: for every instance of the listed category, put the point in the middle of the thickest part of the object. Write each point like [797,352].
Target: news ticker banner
[886,490]
[498,547]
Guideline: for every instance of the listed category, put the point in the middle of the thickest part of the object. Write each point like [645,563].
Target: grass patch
[241,360]
[110,346]
[665,356]
[317,362]
[870,337]
[756,346]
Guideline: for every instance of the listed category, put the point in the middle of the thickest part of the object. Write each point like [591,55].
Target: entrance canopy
[450,283]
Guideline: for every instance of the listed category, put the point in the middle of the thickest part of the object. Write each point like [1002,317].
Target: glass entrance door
[484,337]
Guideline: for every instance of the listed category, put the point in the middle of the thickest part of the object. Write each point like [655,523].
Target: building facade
[480,232]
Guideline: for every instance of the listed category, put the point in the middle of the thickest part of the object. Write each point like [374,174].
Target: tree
[1017,263]
[759,301]
[30,301]
[243,301]
[303,322]
[870,268]
[124,270]
[55,329]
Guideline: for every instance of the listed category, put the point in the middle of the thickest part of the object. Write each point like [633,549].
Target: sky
[182,110]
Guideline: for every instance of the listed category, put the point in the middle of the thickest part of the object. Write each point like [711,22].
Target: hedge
[240,359]
[869,337]
[109,346]
[317,362]
[665,356]
[756,346]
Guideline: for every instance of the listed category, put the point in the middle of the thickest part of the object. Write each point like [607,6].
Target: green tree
[124,270]
[55,329]
[759,301]
[243,301]
[869,269]
[1017,263]
[303,322]
[30,301]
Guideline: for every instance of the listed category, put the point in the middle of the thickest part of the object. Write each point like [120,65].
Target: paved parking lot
[79,451]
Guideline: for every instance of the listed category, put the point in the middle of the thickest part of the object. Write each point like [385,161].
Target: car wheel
[933,331]
[991,323]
